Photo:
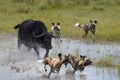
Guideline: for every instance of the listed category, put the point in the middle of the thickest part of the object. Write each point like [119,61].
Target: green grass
[105,61]
[67,12]
[118,67]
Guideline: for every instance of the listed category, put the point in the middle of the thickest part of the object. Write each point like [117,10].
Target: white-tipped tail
[40,61]
[77,24]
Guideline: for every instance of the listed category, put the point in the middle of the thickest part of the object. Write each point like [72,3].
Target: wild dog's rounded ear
[58,23]
[60,54]
[84,56]
[90,21]
[81,56]
[53,24]
[95,21]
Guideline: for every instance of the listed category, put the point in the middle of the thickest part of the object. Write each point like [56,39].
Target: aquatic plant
[118,67]
[106,61]
[77,53]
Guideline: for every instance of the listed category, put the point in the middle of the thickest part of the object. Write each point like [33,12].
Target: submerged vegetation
[105,61]
[67,12]
[118,67]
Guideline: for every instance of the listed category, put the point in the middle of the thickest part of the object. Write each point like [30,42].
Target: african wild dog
[56,31]
[54,63]
[77,64]
[82,63]
[88,27]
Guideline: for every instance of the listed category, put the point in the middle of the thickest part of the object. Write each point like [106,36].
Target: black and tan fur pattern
[56,31]
[88,27]
[54,63]
[78,64]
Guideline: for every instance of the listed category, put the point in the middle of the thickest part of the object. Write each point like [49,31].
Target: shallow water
[22,65]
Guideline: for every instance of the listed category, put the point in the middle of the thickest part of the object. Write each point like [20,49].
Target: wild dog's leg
[45,67]
[60,37]
[93,35]
[51,70]
[85,34]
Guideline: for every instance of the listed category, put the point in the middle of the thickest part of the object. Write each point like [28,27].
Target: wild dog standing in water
[88,27]
[56,31]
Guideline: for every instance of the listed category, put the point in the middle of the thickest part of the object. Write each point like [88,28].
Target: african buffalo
[34,34]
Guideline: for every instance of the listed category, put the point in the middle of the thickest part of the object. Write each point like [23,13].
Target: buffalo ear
[53,24]
[95,21]
[58,23]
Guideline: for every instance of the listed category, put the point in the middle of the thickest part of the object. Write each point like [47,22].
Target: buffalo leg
[19,42]
[46,55]
[37,51]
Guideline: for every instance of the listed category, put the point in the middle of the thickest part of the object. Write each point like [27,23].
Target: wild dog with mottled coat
[54,63]
[78,64]
[88,27]
[56,28]
[82,63]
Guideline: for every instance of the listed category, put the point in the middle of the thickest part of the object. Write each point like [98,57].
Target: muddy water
[22,65]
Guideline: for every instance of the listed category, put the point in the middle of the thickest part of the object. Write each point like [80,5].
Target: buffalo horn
[40,35]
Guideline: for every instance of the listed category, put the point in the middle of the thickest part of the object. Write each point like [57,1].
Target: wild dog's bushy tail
[77,24]
[17,26]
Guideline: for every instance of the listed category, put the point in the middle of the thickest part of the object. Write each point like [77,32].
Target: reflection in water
[90,73]
[94,51]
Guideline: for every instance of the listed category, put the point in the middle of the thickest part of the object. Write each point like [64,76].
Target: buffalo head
[45,39]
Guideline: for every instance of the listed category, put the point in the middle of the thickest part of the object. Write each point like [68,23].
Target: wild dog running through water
[54,63]
[77,64]
[82,63]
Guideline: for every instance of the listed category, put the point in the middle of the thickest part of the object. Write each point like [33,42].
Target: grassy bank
[67,12]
